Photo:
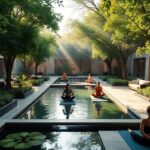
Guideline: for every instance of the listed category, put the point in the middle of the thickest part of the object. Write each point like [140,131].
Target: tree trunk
[108,63]
[9,61]
[123,64]
[36,68]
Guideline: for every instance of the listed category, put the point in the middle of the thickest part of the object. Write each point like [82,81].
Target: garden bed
[117,82]
[145,92]
[37,82]
[4,109]
[21,93]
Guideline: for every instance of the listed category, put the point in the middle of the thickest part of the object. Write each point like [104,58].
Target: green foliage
[144,91]
[118,82]
[18,21]
[46,78]
[145,49]
[99,40]
[37,82]
[132,30]
[21,92]
[22,80]
[22,140]
[106,77]
[5,98]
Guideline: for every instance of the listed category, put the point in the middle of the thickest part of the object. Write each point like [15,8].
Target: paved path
[126,97]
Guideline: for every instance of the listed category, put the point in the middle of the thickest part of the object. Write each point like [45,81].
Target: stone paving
[126,97]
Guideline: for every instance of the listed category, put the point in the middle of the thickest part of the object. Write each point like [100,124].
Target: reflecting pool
[48,107]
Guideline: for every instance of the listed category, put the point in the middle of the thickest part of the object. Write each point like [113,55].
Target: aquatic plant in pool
[22,140]
[48,107]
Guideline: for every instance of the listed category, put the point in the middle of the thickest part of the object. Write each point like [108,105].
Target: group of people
[69,95]
[64,78]
[144,138]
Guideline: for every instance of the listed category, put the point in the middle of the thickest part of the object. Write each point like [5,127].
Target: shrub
[20,92]
[144,91]
[106,77]
[21,81]
[46,78]
[5,98]
[37,82]
[118,82]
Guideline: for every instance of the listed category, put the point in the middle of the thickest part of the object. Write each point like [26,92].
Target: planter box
[8,107]
[21,95]
[28,93]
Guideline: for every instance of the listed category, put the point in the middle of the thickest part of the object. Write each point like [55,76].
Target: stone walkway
[126,98]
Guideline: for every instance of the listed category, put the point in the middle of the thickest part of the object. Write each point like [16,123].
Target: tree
[129,33]
[22,18]
[45,46]
[125,34]
[136,20]
[99,41]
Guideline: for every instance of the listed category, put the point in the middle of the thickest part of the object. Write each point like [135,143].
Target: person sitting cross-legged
[89,79]
[67,93]
[98,92]
[144,138]
[64,77]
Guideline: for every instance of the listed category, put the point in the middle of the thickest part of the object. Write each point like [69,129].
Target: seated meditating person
[89,79]
[67,93]
[98,92]
[144,138]
[64,77]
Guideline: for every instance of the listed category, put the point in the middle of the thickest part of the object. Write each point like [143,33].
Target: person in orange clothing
[89,79]
[64,77]
[98,92]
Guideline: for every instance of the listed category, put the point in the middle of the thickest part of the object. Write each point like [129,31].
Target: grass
[144,91]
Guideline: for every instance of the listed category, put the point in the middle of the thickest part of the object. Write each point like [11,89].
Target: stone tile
[113,141]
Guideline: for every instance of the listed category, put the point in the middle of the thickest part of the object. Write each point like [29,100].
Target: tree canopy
[19,20]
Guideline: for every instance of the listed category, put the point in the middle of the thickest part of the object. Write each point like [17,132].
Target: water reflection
[68,109]
[98,107]
[72,141]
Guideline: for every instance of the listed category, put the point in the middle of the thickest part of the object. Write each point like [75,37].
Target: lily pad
[13,136]
[23,140]
[36,142]
[24,134]
[6,141]
[9,145]
[41,137]
[23,146]
[32,134]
